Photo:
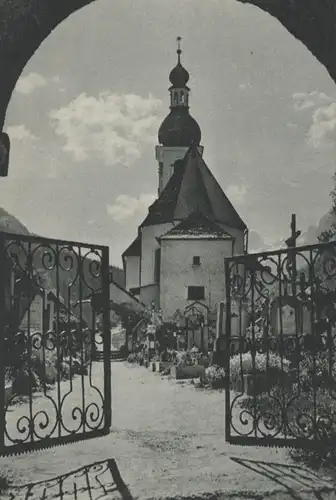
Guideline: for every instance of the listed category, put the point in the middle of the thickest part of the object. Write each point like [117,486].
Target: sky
[84,116]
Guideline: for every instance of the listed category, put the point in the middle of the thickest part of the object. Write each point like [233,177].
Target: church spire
[179,51]
[179,129]
[179,76]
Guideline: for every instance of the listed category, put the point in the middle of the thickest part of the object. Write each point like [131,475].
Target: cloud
[322,131]
[304,100]
[126,207]
[310,237]
[27,84]
[256,243]
[19,133]
[113,127]
[237,194]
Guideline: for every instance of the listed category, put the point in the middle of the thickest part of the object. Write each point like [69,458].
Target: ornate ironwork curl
[50,355]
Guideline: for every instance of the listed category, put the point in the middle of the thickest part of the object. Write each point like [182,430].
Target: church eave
[134,250]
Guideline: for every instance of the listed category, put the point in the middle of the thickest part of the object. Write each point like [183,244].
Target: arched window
[175,98]
[182,97]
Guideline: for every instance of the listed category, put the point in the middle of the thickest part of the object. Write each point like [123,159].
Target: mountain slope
[10,224]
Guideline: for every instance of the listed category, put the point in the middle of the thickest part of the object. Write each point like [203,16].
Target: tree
[330,233]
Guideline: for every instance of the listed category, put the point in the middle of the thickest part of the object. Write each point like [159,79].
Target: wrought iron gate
[51,391]
[280,347]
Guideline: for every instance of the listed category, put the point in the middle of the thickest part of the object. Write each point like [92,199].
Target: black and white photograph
[167,249]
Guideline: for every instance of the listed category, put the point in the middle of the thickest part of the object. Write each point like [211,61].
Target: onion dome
[179,76]
[179,129]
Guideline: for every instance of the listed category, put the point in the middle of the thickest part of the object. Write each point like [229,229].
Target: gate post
[3,309]
[106,339]
[227,353]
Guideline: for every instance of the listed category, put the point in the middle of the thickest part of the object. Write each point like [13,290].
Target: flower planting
[35,363]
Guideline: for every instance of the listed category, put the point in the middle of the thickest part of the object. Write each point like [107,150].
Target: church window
[196,293]
[157,265]
[196,260]
[175,98]
[182,97]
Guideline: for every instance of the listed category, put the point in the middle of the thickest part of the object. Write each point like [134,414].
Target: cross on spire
[179,39]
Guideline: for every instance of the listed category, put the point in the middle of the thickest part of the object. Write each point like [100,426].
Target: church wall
[238,234]
[178,272]
[149,244]
[132,268]
[150,295]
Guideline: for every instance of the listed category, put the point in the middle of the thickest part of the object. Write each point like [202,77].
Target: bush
[136,357]
[65,370]
[186,358]
[241,364]
[306,410]
[132,358]
[215,377]
[24,381]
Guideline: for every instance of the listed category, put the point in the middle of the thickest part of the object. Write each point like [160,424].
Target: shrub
[271,363]
[318,370]
[171,355]
[186,358]
[132,358]
[136,357]
[312,407]
[215,377]
[23,381]
[65,370]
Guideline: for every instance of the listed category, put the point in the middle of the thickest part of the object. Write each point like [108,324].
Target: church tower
[179,130]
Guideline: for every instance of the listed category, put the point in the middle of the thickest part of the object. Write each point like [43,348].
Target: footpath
[168,442]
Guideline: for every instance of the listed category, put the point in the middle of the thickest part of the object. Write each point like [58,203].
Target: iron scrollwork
[281,329]
[53,390]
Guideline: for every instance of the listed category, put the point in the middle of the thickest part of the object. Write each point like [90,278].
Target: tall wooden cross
[291,241]
[291,262]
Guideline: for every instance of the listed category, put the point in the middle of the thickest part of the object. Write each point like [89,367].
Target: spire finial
[179,51]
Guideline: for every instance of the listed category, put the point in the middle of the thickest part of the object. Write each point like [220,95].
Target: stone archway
[24,24]
[310,21]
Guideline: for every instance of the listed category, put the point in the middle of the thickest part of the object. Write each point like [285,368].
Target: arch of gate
[310,21]
[24,24]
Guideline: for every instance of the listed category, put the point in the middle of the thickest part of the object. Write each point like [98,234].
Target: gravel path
[168,441]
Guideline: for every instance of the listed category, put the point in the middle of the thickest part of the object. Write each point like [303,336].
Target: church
[177,258]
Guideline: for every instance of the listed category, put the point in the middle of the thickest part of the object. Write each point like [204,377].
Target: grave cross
[291,241]
[291,244]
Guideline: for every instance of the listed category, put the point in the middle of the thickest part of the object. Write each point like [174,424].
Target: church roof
[192,188]
[134,250]
[197,225]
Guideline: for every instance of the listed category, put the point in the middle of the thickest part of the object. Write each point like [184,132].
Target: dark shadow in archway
[297,481]
[100,480]
[310,21]
[24,25]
